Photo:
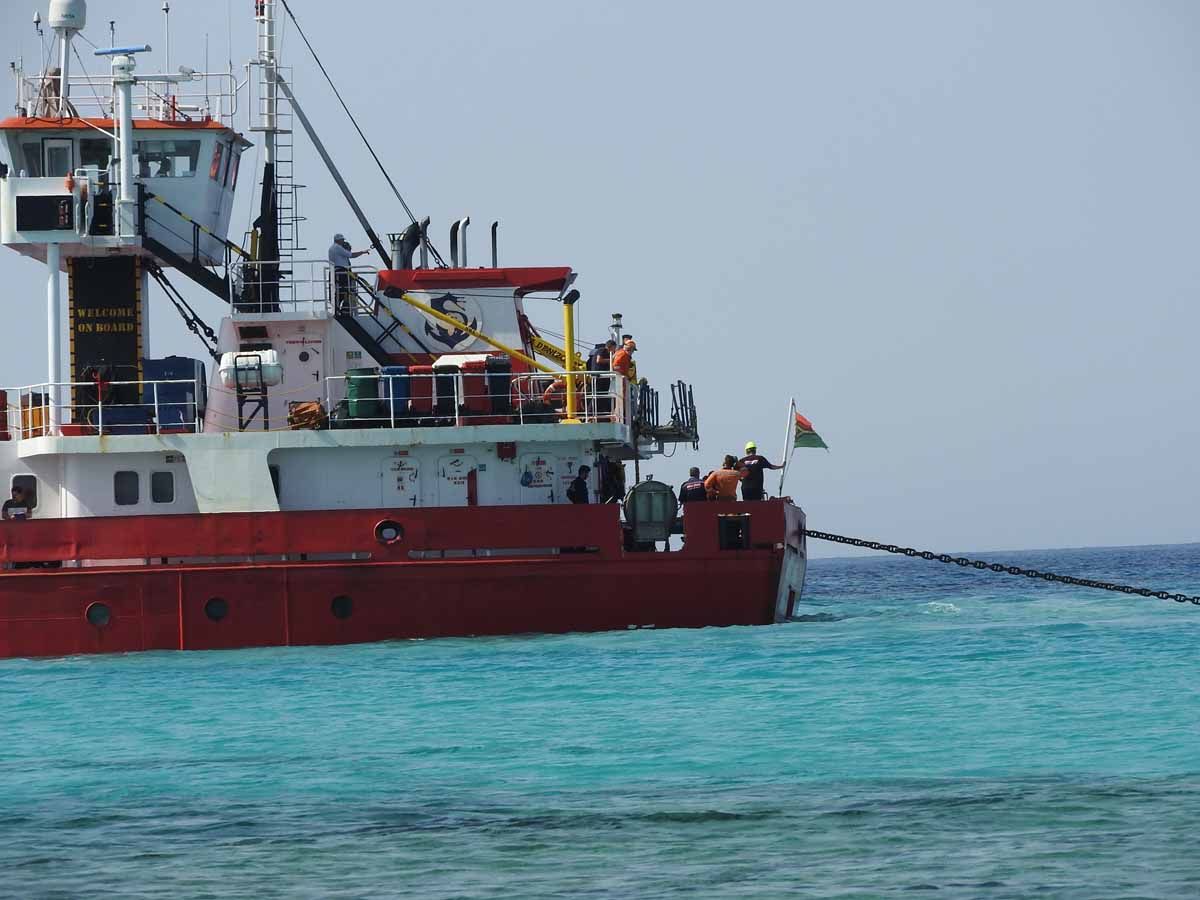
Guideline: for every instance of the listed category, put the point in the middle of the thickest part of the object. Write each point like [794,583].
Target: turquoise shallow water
[939,732]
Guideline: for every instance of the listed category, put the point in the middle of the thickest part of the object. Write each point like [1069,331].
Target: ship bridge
[418,383]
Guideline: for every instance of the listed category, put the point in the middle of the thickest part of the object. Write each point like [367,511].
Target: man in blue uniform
[693,488]
[755,465]
[578,491]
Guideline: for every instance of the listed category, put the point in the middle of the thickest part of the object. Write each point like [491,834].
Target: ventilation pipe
[404,247]
[495,254]
[458,236]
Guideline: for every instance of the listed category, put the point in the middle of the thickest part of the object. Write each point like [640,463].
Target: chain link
[1000,567]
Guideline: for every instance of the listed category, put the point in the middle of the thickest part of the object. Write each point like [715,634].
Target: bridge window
[168,159]
[214,169]
[125,488]
[162,487]
[95,152]
[32,154]
[59,152]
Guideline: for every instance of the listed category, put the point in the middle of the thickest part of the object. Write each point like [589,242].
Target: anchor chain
[1000,567]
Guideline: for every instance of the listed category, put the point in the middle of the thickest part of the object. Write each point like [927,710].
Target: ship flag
[800,434]
[805,435]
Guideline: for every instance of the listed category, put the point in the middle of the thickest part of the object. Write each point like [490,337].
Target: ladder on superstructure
[287,192]
[273,117]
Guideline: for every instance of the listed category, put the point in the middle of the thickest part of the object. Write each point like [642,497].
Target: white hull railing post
[53,335]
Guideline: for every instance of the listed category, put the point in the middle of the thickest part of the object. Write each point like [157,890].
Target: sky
[961,235]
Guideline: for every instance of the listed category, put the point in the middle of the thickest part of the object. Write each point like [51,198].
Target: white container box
[240,367]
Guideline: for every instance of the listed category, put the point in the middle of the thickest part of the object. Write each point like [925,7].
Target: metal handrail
[26,419]
[603,399]
[33,410]
[91,96]
[303,285]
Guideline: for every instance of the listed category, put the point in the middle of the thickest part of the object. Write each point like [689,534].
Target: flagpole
[788,442]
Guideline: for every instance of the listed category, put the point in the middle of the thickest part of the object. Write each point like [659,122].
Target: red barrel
[421,394]
[476,398]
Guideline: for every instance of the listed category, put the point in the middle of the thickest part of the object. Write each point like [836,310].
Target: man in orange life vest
[722,484]
[622,360]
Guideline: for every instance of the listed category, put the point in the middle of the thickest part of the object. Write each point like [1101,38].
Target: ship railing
[205,96]
[298,287]
[83,408]
[405,400]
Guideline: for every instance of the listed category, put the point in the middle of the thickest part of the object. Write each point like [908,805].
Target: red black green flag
[805,435]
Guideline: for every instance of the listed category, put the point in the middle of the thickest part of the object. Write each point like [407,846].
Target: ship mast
[268,113]
[66,17]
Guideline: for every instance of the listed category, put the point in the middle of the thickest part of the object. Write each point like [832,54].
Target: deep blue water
[940,732]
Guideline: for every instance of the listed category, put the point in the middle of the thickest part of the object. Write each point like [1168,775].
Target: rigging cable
[191,319]
[354,122]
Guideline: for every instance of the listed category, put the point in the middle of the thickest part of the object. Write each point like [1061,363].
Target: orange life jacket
[722,484]
[621,361]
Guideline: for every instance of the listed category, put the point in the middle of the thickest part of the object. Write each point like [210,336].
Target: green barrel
[362,392]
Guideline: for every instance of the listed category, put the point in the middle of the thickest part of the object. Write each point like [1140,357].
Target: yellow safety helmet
[751,446]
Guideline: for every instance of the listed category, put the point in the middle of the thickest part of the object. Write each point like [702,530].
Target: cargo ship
[361,452]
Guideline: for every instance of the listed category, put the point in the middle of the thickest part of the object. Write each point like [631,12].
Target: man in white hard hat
[340,255]
[755,465]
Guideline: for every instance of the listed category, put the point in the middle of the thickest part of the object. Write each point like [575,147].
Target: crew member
[693,488]
[601,361]
[600,358]
[578,491]
[755,465]
[622,360]
[17,508]
[340,255]
[633,376]
[722,484]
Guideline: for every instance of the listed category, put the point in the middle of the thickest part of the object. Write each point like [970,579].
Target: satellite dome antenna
[66,17]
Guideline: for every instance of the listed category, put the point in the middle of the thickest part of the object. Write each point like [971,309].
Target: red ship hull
[265,585]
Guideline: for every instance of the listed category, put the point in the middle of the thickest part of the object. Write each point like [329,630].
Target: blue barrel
[394,389]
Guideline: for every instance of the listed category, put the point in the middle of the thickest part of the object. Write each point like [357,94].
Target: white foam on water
[940,608]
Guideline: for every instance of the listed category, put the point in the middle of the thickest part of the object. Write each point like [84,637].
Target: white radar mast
[66,17]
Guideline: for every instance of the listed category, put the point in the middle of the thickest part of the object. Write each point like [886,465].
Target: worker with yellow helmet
[754,464]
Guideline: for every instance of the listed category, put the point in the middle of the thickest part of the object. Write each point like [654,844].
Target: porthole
[303,356]
[216,609]
[341,607]
[389,532]
[98,614]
